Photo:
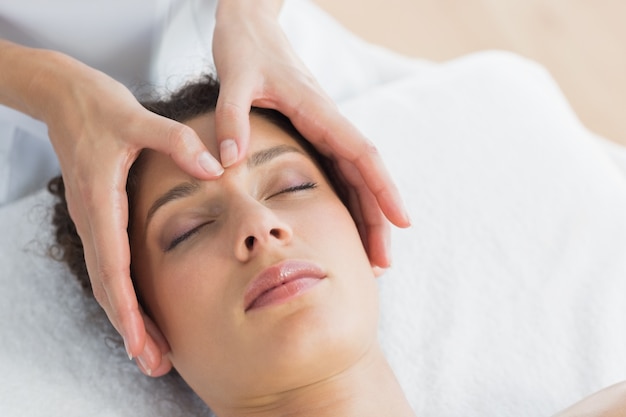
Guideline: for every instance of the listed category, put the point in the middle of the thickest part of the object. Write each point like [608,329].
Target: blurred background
[581,42]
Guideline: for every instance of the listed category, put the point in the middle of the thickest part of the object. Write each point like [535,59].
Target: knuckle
[106,274]
[77,204]
[87,194]
[372,149]
[100,295]
[178,137]
[228,111]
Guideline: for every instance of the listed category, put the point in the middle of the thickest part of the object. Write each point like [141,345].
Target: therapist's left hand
[258,67]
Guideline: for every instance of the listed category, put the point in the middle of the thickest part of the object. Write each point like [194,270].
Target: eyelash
[180,239]
[295,188]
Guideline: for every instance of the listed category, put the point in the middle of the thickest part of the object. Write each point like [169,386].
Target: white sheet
[506,297]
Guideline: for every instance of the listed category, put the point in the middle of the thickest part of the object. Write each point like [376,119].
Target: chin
[315,340]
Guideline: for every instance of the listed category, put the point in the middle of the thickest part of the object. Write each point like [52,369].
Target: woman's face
[258,279]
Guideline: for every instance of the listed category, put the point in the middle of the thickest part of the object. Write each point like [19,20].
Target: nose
[258,228]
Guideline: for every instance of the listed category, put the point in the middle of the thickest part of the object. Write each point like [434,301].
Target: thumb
[182,144]
[232,119]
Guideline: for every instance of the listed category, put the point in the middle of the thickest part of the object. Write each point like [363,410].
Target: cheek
[186,303]
[346,319]
[334,240]
[331,229]
[343,249]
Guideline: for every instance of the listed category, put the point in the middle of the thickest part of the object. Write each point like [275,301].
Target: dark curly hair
[194,99]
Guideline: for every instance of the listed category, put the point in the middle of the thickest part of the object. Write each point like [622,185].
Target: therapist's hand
[257,66]
[98,128]
[610,402]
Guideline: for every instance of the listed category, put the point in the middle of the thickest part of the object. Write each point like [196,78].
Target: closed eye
[181,238]
[295,188]
[188,234]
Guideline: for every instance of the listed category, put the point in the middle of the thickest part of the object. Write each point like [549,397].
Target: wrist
[30,78]
[59,86]
[18,66]
[48,83]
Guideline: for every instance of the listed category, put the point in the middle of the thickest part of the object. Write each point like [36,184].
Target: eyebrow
[188,188]
[265,155]
[179,191]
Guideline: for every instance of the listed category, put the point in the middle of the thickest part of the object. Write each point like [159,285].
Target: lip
[281,282]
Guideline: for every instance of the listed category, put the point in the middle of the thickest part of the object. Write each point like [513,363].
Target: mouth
[282,282]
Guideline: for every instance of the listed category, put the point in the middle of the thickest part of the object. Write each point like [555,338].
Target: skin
[609,402]
[313,353]
[98,128]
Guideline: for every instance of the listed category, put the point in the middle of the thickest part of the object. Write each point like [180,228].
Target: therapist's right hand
[609,402]
[97,129]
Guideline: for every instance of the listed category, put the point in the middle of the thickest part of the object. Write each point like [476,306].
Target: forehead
[263,133]
[156,171]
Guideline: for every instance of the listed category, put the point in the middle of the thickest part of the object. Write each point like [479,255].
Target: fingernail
[389,256]
[130,356]
[144,365]
[209,164]
[228,152]
[407,216]
[378,271]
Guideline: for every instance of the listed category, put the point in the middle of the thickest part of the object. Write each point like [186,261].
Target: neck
[367,389]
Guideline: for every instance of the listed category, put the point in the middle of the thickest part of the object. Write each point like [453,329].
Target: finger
[232,117]
[373,225]
[319,120]
[107,254]
[378,271]
[354,206]
[349,144]
[128,323]
[181,143]
[373,228]
[379,237]
[153,361]
[156,335]
[85,232]
[164,368]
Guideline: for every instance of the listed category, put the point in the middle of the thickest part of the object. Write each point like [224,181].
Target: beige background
[581,42]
